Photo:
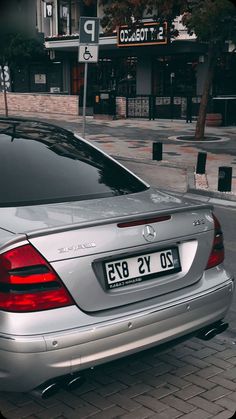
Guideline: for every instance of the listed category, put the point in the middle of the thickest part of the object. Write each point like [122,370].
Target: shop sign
[150,33]
[7,79]
[48,9]
[40,78]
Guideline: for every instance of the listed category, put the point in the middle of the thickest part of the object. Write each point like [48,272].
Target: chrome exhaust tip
[208,334]
[67,382]
[223,326]
[74,381]
[50,391]
[46,390]
[212,330]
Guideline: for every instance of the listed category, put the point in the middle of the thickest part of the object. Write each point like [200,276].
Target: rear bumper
[41,358]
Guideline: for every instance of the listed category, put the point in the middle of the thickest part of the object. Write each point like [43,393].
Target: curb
[213,197]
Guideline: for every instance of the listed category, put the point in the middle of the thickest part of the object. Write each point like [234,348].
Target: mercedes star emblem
[149,233]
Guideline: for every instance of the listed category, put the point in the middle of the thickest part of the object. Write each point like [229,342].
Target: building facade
[148,68]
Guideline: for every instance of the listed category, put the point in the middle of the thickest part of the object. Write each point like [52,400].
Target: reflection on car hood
[39,217]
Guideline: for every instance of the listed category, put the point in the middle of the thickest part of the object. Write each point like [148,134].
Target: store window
[126,80]
[118,75]
[224,82]
[64,9]
[69,12]
[174,76]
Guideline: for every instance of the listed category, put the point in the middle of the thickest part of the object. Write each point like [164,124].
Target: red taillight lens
[28,282]
[217,253]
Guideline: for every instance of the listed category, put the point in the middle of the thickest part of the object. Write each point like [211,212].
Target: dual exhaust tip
[49,389]
[211,331]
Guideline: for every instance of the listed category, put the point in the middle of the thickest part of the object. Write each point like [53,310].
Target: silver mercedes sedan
[95,264]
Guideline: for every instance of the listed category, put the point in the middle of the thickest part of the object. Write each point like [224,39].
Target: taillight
[144,221]
[217,253]
[28,282]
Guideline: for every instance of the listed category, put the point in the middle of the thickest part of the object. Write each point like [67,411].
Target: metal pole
[157,151]
[84,98]
[225,179]
[201,163]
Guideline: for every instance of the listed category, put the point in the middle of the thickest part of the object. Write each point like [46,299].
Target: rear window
[44,164]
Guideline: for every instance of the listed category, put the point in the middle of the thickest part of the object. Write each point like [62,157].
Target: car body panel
[69,351]
[40,218]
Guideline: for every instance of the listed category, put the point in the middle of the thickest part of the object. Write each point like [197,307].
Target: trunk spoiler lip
[111,220]
[16,241]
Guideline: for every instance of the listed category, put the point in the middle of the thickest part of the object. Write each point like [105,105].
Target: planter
[213,119]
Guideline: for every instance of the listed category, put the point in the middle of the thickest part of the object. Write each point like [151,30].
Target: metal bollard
[225,179]
[201,163]
[157,151]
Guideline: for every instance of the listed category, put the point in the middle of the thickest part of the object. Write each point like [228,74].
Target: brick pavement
[176,156]
[192,380]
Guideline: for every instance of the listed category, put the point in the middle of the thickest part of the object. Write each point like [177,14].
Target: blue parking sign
[89,30]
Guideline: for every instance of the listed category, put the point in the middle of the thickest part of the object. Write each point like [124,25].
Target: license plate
[135,269]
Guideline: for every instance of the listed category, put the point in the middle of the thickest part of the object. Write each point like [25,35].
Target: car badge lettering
[149,233]
[77,247]
[198,222]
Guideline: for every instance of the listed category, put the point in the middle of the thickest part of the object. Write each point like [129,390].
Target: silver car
[95,264]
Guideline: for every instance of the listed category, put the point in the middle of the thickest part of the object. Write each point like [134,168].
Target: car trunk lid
[89,255]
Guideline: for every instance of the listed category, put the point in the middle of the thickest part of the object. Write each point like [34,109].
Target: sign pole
[88,51]
[84,97]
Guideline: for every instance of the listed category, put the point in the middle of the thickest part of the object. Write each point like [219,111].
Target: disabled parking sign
[88,39]
[88,53]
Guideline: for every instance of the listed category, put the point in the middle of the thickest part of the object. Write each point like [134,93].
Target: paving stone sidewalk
[192,380]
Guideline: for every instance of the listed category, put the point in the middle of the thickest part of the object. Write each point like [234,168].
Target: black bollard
[201,163]
[157,151]
[225,179]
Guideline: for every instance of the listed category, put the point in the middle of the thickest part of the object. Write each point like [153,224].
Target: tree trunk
[4,89]
[200,126]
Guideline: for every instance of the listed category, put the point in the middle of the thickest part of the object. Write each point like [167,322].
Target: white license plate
[138,268]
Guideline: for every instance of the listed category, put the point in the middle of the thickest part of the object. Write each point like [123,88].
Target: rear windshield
[41,163]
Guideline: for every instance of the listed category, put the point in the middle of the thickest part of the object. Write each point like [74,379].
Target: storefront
[144,62]
[151,68]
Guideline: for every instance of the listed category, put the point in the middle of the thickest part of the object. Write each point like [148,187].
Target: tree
[16,48]
[131,12]
[213,22]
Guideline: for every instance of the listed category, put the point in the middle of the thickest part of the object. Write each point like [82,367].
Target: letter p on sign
[89,30]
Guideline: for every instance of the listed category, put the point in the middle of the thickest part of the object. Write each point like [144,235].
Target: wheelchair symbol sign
[88,53]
